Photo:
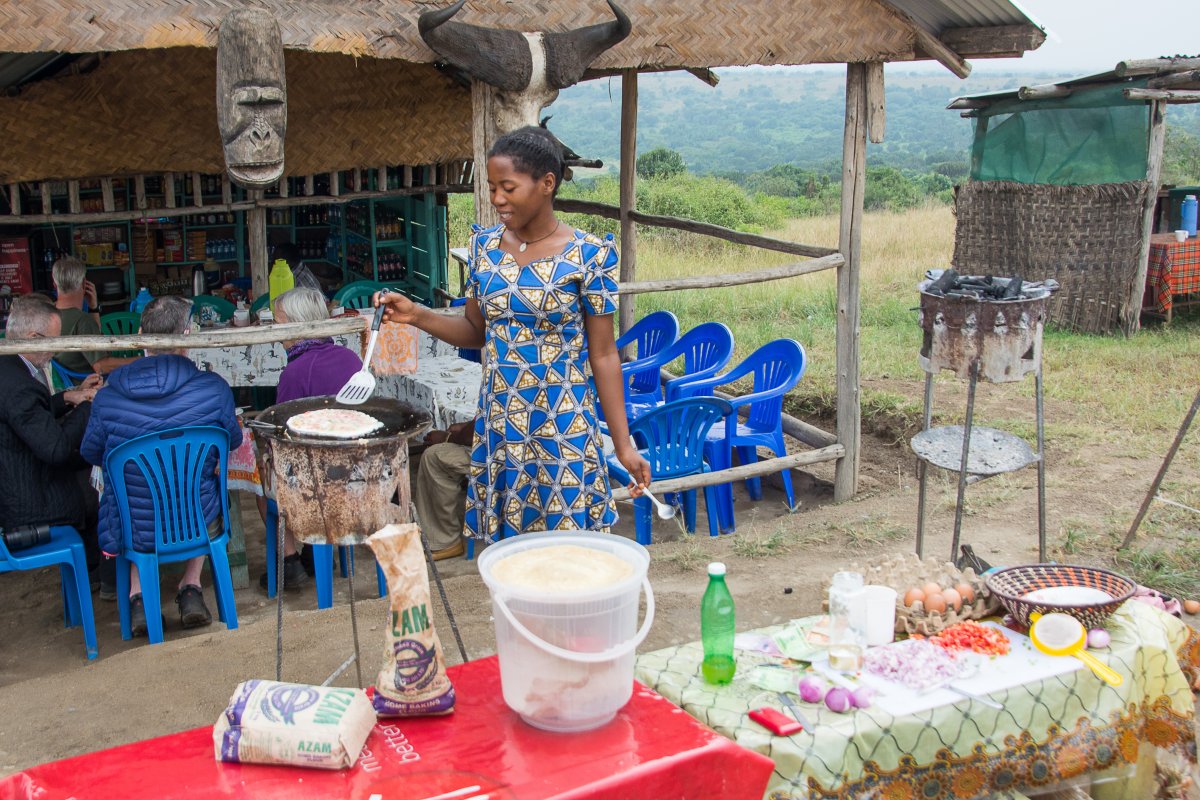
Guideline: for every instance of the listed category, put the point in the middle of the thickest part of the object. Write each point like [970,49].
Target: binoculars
[25,537]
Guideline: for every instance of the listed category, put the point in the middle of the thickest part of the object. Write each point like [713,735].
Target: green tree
[661,162]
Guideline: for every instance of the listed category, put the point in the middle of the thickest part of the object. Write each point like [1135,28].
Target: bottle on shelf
[717,628]
[141,301]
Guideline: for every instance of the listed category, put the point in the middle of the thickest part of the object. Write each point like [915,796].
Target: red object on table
[1174,269]
[650,751]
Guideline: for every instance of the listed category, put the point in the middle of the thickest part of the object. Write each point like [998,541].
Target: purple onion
[812,689]
[1098,638]
[838,699]
[862,697]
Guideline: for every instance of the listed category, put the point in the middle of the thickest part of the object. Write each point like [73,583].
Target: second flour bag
[412,681]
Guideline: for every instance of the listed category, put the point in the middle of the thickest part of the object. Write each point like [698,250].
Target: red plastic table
[1174,269]
[483,750]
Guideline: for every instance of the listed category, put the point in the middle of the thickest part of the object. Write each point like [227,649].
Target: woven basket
[1012,584]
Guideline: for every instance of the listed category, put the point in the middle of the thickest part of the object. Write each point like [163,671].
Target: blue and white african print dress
[537,461]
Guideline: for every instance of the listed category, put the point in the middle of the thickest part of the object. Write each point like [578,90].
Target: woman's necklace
[524,244]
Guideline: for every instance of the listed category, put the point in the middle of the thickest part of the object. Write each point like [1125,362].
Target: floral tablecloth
[1048,732]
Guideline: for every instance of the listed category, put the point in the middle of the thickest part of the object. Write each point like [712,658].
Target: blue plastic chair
[705,350]
[671,437]
[469,353]
[652,334]
[775,367]
[322,562]
[174,464]
[65,549]
[67,378]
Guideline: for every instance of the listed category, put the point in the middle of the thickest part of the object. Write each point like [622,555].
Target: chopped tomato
[971,635]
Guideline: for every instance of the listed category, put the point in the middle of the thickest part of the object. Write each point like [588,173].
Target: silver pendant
[523,246]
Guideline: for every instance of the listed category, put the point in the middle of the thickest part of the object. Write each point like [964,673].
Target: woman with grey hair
[315,367]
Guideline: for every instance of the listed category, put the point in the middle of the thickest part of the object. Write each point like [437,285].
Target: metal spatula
[362,383]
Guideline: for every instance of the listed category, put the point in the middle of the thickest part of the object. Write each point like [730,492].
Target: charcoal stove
[980,328]
[337,491]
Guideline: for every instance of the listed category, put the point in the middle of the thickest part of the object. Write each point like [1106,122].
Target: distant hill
[758,117]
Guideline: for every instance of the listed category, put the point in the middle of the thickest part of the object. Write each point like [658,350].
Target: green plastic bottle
[717,628]
[280,280]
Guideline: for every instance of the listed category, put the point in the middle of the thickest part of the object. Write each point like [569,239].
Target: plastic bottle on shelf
[141,301]
[717,628]
[1188,214]
[280,279]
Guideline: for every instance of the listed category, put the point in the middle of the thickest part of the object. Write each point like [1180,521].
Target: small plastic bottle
[141,301]
[717,628]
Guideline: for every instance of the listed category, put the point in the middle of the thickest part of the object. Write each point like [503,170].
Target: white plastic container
[566,658]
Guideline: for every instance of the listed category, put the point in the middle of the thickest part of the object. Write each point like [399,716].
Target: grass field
[1113,396]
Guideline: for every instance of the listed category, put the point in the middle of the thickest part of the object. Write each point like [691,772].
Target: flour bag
[413,679]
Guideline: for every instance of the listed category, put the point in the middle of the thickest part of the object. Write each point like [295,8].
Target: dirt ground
[57,704]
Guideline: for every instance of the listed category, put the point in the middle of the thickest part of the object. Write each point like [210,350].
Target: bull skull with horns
[527,69]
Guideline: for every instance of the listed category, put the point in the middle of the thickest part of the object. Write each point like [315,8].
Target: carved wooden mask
[251,96]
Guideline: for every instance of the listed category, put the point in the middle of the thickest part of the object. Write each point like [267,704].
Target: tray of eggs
[931,595]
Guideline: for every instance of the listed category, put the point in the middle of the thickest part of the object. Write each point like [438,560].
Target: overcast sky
[1093,35]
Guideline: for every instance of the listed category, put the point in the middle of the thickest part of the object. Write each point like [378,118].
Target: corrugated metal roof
[938,15]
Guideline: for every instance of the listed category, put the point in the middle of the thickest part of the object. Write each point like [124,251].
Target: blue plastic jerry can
[1188,214]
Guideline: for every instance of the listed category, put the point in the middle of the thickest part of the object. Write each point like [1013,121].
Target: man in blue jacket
[161,391]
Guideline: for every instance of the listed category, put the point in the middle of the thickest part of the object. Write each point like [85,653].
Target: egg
[931,588]
[935,603]
[913,596]
[952,598]
[1191,606]
[967,592]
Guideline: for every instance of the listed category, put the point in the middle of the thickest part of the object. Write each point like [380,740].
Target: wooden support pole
[356,179]
[139,192]
[876,104]
[197,190]
[1131,313]
[407,176]
[334,189]
[483,134]
[226,190]
[169,189]
[933,47]
[1162,472]
[628,274]
[1000,41]
[1154,66]
[283,186]
[108,201]
[47,203]
[229,337]
[756,470]
[310,185]
[854,169]
[14,199]
[1044,92]
[381,179]
[733,279]
[1177,79]
[256,224]
[73,204]
[1168,95]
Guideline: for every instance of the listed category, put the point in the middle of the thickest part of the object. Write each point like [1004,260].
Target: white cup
[877,614]
[1181,235]
[265,316]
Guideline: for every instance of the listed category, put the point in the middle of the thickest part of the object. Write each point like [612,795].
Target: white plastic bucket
[566,658]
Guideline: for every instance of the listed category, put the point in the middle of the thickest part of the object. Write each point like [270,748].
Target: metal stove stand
[977,453]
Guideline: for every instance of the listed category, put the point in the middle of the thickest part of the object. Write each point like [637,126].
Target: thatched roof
[361,88]
[676,33]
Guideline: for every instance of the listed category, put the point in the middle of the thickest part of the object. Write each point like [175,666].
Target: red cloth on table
[1174,269]
[650,751]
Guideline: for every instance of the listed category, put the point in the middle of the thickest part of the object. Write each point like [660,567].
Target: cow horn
[494,56]
[569,54]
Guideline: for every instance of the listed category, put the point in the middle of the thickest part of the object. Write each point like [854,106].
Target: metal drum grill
[337,491]
[980,327]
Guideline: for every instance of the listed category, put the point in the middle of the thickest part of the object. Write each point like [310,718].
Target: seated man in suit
[161,391]
[40,432]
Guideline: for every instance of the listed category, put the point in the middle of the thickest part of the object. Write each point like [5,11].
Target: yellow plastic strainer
[1063,635]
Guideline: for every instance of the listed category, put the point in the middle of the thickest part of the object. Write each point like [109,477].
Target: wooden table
[1049,731]
[1174,270]
[650,751]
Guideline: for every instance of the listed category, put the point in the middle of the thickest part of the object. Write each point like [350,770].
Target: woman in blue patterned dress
[540,294]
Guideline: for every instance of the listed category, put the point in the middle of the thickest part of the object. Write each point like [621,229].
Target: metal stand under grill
[998,341]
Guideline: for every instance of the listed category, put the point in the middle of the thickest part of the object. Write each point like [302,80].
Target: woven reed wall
[155,111]
[685,33]
[1088,238]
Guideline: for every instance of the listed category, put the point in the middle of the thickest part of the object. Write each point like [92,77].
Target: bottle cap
[716,569]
